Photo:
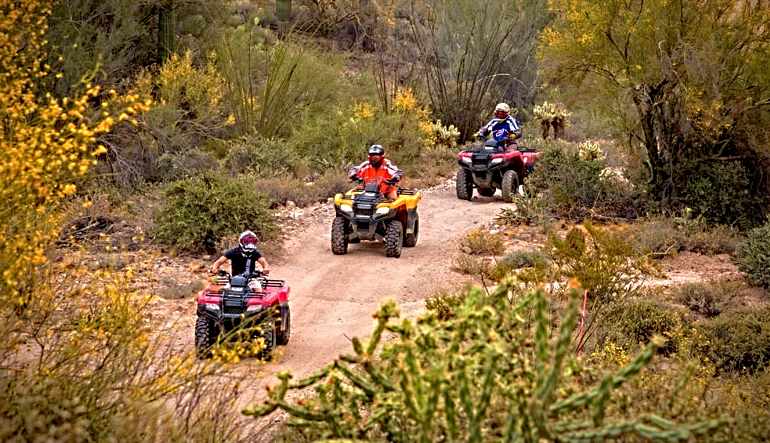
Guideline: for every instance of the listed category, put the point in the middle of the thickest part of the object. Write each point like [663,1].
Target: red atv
[243,301]
[491,166]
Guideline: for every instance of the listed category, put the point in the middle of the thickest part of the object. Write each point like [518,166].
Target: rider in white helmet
[243,257]
[502,121]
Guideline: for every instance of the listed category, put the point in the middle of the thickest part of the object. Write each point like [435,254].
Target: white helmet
[248,242]
[503,107]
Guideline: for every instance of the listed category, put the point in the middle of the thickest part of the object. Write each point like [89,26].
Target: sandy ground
[333,297]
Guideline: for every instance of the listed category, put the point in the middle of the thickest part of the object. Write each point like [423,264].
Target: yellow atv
[365,214]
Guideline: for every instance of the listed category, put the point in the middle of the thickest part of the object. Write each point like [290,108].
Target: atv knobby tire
[487,192]
[394,238]
[205,335]
[410,240]
[283,337]
[339,236]
[510,185]
[464,185]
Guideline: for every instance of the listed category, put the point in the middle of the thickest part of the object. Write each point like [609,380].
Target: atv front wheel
[394,238]
[464,186]
[510,185]
[487,192]
[206,334]
[410,240]
[284,331]
[339,236]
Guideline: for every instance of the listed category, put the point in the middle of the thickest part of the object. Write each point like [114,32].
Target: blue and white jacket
[501,128]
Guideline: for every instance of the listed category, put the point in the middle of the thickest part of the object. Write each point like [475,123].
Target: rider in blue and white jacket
[502,124]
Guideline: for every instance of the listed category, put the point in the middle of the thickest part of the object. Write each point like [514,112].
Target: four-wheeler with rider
[494,164]
[366,213]
[248,302]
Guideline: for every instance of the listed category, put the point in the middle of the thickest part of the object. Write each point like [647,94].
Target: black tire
[205,336]
[464,185]
[410,240]
[283,337]
[394,238]
[339,236]
[510,185]
[487,192]
[269,334]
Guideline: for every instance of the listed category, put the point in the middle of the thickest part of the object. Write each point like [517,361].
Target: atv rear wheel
[487,192]
[410,240]
[339,236]
[464,185]
[394,238]
[284,331]
[510,185]
[206,334]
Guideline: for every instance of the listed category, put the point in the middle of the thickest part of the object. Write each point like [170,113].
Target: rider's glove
[392,181]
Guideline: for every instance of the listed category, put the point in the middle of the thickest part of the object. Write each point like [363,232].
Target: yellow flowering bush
[47,143]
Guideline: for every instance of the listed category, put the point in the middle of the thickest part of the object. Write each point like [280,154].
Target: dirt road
[333,297]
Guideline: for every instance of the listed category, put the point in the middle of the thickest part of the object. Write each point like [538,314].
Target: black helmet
[376,150]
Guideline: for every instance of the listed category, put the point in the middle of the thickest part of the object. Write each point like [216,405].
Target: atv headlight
[346,208]
[496,161]
[212,307]
[465,159]
[383,210]
[254,308]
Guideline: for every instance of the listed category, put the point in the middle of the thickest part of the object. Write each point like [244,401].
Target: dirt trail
[333,297]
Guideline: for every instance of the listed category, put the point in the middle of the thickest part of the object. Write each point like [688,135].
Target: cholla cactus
[589,150]
[445,135]
[491,372]
[552,115]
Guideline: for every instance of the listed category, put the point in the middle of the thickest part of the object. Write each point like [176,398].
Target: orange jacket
[387,175]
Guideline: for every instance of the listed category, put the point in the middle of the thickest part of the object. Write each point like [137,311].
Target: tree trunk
[166,30]
[661,135]
[545,127]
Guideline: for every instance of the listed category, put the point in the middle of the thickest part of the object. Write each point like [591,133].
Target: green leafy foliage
[198,212]
[737,340]
[482,242]
[754,256]
[708,299]
[517,260]
[634,322]
[493,372]
[575,187]
[661,236]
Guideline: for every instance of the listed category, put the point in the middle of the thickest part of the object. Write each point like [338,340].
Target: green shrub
[737,340]
[472,265]
[754,256]
[445,303]
[707,299]
[497,370]
[722,192]
[528,210]
[517,260]
[200,211]
[575,187]
[262,157]
[663,236]
[635,322]
[482,242]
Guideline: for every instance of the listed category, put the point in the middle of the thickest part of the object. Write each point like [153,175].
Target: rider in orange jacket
[378,168]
